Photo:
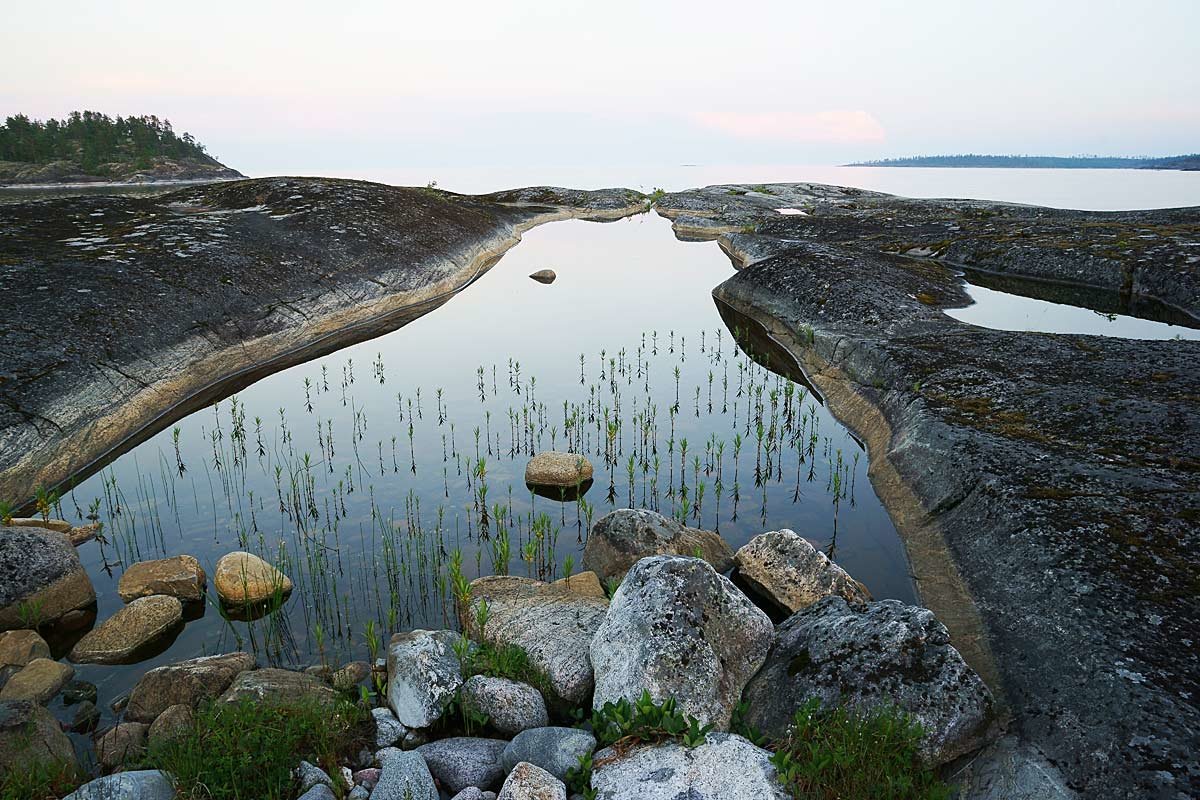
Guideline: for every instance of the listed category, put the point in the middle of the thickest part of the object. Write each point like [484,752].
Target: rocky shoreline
[1045,485]
[257,275]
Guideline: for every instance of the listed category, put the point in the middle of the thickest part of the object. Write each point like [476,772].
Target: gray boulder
[309,775]
[144,784]
[462,761]
[555,750]
[868,656]
[472,793]
[424,672]
[187,682]
[529,782]
[621,538]
[318,792]
[403,776]
[553,624]
[388,729]
[39,569]
[724,767]
[511,706]
[784,569]
[678,629]
[1010,769]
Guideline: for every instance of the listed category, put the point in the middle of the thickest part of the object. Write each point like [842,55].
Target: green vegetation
[1188,162]
[38,780]
[247,750]
[95,140]
[841,753]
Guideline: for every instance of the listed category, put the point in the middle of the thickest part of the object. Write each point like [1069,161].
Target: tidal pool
[361,473]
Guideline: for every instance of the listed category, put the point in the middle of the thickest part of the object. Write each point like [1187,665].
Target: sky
[297,86]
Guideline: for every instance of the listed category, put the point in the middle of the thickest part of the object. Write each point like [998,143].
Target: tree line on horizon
[93,140]
[1052,162]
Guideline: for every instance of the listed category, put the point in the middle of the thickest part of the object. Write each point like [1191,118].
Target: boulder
[511,707]
[122,743]
[621,538]
[676,628]
[785,570]
[21,647]
[553,624]
[39,680]
[544,276]
[868,656]
[555,750]
[350,675]
[178,576]
[403,776]
[278,687]
[462,761]
[187,682]
[143,784]
[551,468]
[245,579]
[40,575]
[358,793]
[724,767]
[424,672]
[309,775]
[126,635]
[172,723]
[30,735]
[529,782]
[388,729]
[585,583]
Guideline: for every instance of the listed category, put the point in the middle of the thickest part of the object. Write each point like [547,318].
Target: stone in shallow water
[724,767]
[510,706]
[245,579]
[785,569]
[40,573]
[830,649]
[621,538]
[544,276]
[178,576]
[129,632]
[462,761]
[187,682]
[558,469]
[21,647]
[56,525]
[678,629]
[148,784]
[39,680]
[424,672]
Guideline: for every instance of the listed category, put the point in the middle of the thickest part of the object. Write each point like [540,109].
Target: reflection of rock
[622,537]
[39,680]
[127,635]
[553,624]
[563,494]
[245,579]
[187,682]
[544,276]
[41,578]
[558,469]
[678,629]
[178,576]
[30,735]
[724,767]
[869,656]
[786,570]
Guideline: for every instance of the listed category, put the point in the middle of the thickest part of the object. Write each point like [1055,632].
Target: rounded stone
[125,635]
[172,723]
[178,576]
[40,574]
[122,743]
[243,578]
[146,784]
[558,469]
[555,750]
[530,782]
[544,276]
[621,538]
[462,761]
[39,680]
[21,647]
[187,682]
[510,706]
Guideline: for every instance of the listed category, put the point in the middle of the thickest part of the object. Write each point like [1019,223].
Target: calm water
[360,472]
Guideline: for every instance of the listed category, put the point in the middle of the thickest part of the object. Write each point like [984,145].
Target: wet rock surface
[621,537]
[258,274]
[1059,473]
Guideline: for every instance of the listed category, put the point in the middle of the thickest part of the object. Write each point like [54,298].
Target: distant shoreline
[1181,163]
[115,184]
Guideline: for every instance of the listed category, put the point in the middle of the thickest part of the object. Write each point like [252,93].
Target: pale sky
[336,86]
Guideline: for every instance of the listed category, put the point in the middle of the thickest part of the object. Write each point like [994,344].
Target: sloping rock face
[724,767]
[678,629]
[424,672]
[621,537]
[258,275]
[786,570]
[869,656]
[22,646]
[1046,485]
[187,683]
[40,573]
[126,634]
[552,623]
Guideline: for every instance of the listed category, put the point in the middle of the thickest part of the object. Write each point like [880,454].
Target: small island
[89,147]
[1185,162]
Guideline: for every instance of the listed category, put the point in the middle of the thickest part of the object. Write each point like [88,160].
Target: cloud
[795,126]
